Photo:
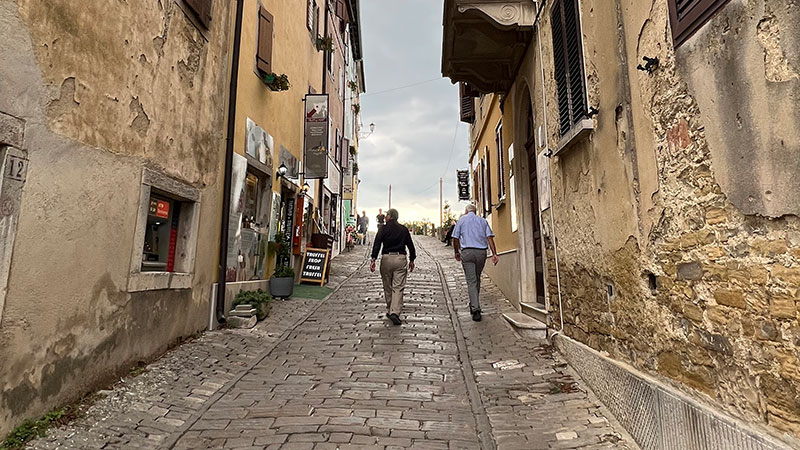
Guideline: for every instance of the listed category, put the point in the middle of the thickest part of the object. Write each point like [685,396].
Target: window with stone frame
[568,63]
[166,234]
[688,16]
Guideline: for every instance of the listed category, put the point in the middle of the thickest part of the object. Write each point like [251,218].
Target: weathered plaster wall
[102,99]
[690,175]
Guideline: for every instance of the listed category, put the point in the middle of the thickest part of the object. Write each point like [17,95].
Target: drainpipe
[550,191]
[226,190]
[324,91]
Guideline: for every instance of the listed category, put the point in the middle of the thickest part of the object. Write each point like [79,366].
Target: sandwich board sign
[315,266]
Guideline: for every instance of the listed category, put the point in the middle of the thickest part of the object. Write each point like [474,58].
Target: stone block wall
[702,288]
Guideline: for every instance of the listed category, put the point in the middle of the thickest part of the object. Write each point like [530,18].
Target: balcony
[484,41]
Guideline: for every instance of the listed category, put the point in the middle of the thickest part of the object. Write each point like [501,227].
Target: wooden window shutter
[688,16]
[310,15]
[568,63]
[341,9]
[265,28]
[467,103]
[203,10]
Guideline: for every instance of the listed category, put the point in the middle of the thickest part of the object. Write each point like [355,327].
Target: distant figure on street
[449,235]
[395,239]
[472,236]
[381,219]
[363,225]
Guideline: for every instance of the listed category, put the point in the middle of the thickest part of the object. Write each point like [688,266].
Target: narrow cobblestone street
[337,375]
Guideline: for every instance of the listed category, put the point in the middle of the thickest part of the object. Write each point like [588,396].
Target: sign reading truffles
[315,265]
[315,149]
[463,184]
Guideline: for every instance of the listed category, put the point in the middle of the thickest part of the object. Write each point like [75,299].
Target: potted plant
[357,108]
[325,44]
[353,150]
[352,85]
[277,82]
[281,285]
[259,300]
[355,168]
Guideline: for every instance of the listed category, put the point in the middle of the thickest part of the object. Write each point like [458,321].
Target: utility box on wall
[15,170]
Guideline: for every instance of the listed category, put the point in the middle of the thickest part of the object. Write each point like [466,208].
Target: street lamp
[306,187]
[371,130]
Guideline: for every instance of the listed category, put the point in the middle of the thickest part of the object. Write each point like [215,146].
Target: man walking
[395,239]
[363,224]
[472,236]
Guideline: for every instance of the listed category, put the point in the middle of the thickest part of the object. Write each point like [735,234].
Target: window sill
[154,281]
[577,132]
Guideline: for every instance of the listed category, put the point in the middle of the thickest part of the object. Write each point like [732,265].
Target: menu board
[315,266]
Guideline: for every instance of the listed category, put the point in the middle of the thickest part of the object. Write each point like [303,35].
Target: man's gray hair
[470,208]
[392,213]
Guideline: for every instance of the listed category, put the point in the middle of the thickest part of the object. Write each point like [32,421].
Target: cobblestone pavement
[342,377]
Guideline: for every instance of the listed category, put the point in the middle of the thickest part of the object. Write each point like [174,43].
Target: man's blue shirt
[472,231]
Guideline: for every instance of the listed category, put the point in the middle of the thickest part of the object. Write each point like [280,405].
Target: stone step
[535,311]
[524,321]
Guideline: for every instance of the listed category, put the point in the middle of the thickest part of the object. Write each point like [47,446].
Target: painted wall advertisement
[315,148]
[259,143]
[543,174]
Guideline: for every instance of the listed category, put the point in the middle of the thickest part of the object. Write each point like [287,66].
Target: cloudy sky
[416,128]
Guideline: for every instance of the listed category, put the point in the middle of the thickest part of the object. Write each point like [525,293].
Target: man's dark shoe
[476,315]
[395,320]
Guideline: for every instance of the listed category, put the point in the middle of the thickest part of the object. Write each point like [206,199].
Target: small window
[158,254]
[688,16]
[264,52]
[501,164]
[202,8]
[568,63]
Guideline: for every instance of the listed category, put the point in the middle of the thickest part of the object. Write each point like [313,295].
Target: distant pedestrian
[363,225]
[395,239]
[381,218]
[472,236]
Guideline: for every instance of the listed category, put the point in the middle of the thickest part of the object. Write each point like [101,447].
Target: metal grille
[657,418]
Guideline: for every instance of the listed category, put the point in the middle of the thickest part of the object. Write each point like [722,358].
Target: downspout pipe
[226,189]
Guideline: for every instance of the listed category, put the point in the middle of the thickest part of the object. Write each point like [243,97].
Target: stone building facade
[666,157]
[113,117]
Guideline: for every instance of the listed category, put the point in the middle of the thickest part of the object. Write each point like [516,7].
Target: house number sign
[16,168]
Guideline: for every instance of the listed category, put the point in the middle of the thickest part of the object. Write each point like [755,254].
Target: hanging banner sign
[315,148]
[463,185]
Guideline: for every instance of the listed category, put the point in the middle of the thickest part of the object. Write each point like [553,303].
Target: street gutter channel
[478,410]
[175,437]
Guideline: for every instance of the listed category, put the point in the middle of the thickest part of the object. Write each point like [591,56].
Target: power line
[398,88]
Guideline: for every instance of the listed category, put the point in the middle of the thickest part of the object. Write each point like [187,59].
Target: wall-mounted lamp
[306,187]
[282,170]
[651,64]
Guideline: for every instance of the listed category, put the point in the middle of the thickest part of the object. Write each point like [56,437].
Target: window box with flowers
[277,82]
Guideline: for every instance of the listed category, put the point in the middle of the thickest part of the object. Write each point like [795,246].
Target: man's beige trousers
[394,270]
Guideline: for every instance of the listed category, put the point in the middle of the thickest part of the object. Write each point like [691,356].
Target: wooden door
[530,150]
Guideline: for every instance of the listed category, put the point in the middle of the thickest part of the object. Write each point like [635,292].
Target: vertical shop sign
[297,234]
[288,227]
[315,148]
[173,235]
